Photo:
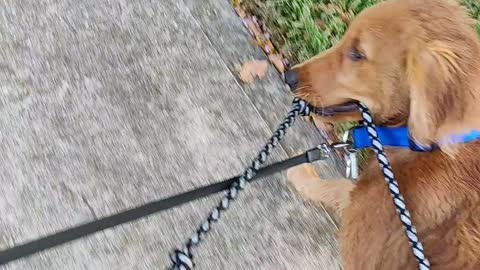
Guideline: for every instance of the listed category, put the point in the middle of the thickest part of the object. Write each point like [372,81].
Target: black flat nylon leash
[86,229]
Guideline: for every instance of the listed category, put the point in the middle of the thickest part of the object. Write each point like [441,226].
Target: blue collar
[399,137]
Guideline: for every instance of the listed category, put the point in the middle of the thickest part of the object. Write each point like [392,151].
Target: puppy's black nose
[291,78]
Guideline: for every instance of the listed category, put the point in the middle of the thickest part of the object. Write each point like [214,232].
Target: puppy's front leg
[332,193]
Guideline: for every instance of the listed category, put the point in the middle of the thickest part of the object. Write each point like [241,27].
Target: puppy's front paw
[304,170]
[301,179]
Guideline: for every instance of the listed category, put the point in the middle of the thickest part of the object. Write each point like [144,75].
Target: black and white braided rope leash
[398,200]
[182,259]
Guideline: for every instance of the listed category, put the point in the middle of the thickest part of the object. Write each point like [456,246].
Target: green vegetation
[473,7]
[303,28]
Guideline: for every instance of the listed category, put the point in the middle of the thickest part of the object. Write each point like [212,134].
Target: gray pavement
[109,104]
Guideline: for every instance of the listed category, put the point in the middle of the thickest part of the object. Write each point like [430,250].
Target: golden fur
[421,68]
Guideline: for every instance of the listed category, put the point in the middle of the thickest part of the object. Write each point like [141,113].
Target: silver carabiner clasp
[352,164]
[351,170]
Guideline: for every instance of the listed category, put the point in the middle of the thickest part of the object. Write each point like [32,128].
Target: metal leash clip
[350,158]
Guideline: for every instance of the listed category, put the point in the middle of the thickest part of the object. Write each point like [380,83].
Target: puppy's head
[411,62]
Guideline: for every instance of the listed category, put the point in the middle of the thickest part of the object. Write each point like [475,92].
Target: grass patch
[473,7]
[304,28]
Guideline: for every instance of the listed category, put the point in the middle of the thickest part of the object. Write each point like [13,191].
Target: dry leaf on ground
[252,69]
[257,33]
[277,61]
[240,11]
[236,2]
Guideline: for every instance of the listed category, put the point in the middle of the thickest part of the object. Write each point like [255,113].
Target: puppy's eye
[355,55]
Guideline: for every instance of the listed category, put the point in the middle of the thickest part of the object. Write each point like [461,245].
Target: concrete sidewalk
[109,104]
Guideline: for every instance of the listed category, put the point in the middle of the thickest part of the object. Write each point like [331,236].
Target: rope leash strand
[398,201]
[182,259]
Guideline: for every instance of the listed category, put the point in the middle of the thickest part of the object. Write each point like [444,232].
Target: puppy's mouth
[347,107]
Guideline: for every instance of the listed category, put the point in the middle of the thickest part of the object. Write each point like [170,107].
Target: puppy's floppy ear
[434,76]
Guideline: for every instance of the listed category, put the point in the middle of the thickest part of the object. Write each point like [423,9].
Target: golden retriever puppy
[413,63]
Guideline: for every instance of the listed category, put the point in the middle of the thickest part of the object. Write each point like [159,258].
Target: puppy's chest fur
[442,195]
